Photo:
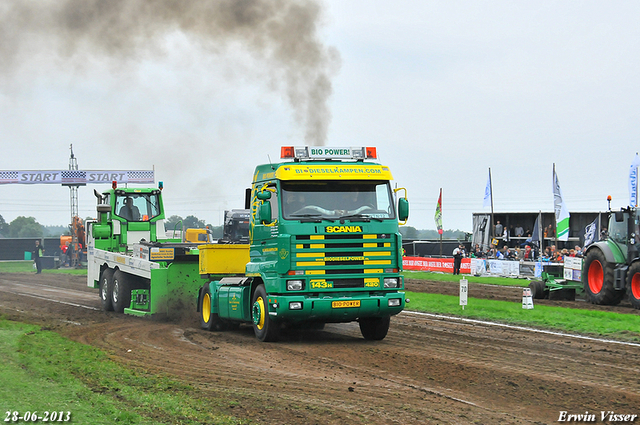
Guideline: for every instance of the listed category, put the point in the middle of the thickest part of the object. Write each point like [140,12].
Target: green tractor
[611,268]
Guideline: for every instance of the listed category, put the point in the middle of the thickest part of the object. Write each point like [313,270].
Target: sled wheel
[537,289]
[121,291]
[106,282]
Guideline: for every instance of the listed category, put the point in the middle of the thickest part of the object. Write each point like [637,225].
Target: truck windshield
[337,199]
[137,206]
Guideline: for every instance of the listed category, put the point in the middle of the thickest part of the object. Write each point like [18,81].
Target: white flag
[633,182]
[562,214]
[487,193]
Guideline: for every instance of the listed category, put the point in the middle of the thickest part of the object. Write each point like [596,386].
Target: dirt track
[427,370]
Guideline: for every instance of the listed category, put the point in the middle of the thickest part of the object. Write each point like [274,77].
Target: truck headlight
[394,302]
[295,285]
[391,282]
[295,305]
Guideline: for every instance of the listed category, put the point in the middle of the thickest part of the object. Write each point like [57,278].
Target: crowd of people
[527,253]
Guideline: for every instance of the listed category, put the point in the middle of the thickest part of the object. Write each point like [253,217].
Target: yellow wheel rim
[258,313]
[206,308]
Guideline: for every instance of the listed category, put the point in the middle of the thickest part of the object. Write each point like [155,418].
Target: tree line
[28,227]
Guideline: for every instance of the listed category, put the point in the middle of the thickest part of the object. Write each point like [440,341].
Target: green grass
[445,277]
[27,267]
[589,322]
[42,371]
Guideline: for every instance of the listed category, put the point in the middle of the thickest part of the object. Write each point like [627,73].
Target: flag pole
[555,218]
[636,183]
[442,229]
[491,190]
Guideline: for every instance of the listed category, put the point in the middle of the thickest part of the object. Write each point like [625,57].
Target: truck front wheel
[375,328]
[633,285]
[106,278]
[121,291]
[597,279]
[264,328]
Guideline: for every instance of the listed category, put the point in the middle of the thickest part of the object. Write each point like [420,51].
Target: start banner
[444,265]
[76,177]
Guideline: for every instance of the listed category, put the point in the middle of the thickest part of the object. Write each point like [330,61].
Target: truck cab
[324,245]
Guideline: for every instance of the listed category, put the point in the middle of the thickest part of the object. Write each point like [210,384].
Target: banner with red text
[444,265]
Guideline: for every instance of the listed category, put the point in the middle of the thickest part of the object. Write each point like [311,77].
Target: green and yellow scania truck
[324,248]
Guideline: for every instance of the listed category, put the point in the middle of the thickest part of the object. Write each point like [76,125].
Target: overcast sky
[445,90]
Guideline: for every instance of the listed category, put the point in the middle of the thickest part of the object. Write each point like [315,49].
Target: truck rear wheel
[597,279]
[264,328]
[106,278]
[633,285]
[121,291]
[208,320]
[375,328]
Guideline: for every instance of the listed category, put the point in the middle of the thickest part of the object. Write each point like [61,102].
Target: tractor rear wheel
[633,285]
[106,282]
[597,279]
[375,328]
[266,330]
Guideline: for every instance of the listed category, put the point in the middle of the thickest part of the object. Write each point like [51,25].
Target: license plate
[344,304]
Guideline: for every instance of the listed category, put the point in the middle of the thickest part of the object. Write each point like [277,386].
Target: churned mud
[428,370]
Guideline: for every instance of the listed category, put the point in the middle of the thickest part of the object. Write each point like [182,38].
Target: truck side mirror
[403,209]
[264,195]
[264,213]
[247,198]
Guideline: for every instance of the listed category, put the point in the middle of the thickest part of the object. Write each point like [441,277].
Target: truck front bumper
[334,308]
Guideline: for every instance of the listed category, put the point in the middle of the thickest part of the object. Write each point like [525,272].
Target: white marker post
[527,299]
[464,289]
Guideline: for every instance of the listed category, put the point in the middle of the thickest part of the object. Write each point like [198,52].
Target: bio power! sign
[337,153]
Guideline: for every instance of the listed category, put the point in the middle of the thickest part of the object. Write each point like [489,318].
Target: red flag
[438,216]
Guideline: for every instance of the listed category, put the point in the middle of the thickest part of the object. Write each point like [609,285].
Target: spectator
[528,253]
[38,252]
[549,233]
[578,251]
[517,255]
[519,232]
[458,253]
[498,229]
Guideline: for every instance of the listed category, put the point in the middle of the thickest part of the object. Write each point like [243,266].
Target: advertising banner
[444,265]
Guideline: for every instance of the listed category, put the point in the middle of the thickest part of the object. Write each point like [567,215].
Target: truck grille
[345,260]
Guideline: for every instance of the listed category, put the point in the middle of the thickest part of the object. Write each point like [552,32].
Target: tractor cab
[128,216]
[623,231]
